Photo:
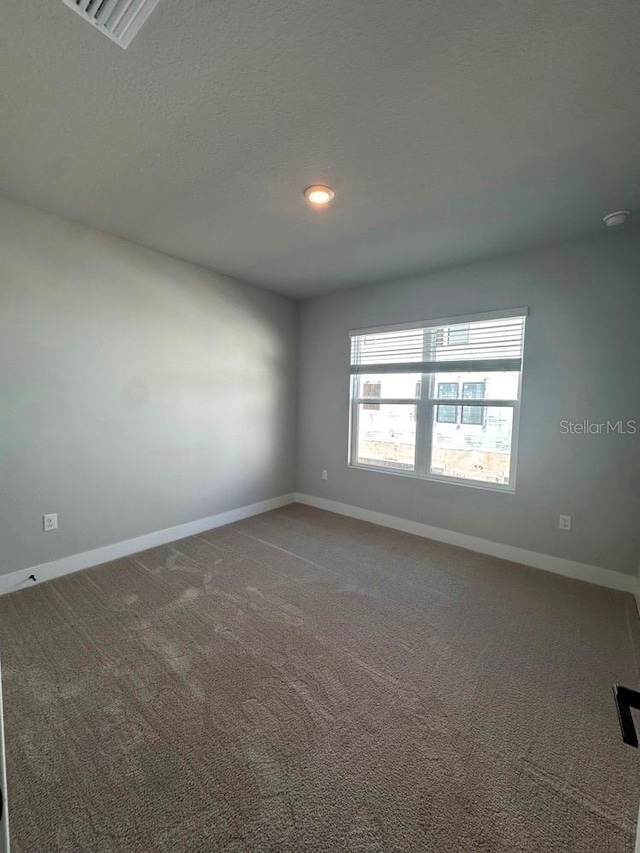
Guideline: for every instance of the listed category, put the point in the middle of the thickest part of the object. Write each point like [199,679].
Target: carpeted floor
[301,681]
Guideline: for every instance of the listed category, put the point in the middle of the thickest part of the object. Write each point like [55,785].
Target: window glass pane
[391,385]
[448,389]
[478,386]
[387,436]
[474,449]
[473,415]
[473,390]
[447,414]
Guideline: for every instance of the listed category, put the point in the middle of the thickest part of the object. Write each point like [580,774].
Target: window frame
[426,415]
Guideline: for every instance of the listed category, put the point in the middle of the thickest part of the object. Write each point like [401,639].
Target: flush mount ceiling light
[319,195]
[618,217]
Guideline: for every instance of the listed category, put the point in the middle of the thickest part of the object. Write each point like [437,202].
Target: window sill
[435,478]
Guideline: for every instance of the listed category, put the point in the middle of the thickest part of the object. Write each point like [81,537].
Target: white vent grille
[118,19]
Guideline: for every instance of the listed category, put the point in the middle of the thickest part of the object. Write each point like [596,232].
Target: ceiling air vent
[118,19]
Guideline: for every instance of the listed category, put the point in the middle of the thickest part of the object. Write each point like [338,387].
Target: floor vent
[120,20]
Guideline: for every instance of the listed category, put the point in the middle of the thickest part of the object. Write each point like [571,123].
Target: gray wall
[582,354]
[137,392]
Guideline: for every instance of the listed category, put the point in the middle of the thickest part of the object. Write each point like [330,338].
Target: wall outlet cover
[50,521]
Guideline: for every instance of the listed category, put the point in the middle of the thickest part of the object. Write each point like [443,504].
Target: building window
[371,389]
[474,365]
[447,414]
[473,414]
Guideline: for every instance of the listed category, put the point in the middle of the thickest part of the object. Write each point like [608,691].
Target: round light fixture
[618,217]
[319,195]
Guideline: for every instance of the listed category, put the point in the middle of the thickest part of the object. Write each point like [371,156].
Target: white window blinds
[485,343]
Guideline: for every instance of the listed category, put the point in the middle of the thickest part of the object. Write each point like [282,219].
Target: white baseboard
[557,565]
[64,566]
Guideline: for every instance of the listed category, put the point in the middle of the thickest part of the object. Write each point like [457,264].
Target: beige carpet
[303,682]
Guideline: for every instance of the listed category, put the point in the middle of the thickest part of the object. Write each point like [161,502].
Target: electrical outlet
[564,522]
[325,474]
[50,522]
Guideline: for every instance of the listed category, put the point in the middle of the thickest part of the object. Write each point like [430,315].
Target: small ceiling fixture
[618,217]
[319,195]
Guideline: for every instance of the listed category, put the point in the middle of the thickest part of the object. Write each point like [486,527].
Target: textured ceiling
[450,129]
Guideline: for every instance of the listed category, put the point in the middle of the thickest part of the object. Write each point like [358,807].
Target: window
[473,364]
[447,414]
[473,390]
[473,414]
[371,389]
